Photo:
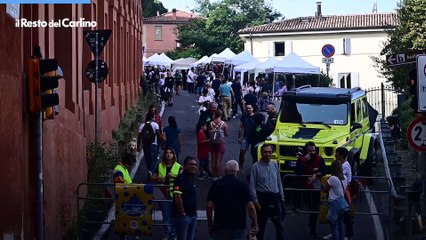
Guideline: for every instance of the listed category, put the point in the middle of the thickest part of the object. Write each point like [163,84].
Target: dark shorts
[178,83]
[204,162]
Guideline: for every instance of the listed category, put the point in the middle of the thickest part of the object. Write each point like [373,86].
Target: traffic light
[43,78]
[49,81]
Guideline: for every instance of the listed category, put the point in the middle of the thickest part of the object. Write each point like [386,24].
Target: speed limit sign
[416,134]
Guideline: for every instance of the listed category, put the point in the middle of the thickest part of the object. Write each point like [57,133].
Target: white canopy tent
[161,60]
[240,58]
[245,68]
[295,64]
[263,66]
[183,63]
[223,56]
[204,58]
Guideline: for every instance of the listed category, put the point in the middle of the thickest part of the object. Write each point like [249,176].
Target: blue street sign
[328,50]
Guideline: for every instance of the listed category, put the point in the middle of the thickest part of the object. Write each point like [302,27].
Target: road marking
[376,219]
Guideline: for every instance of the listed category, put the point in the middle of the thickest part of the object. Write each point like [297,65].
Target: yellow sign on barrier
[133,209]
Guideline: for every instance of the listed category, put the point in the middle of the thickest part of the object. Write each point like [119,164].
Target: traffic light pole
[40,177]
[96,87]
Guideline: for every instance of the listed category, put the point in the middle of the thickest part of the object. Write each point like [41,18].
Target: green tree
[409,35]
[218,29]
[150,8]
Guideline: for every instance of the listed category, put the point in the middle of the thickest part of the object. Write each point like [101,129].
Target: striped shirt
[265,177]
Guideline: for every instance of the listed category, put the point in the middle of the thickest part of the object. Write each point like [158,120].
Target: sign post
[328,51]
[421,83]
[97,40]
[416,136]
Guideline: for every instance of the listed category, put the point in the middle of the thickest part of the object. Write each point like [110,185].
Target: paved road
[296,225]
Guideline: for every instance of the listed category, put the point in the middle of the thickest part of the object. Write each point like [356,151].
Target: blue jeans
[337,228]
[185,227]
[229,234]
[150,152]
[167,209]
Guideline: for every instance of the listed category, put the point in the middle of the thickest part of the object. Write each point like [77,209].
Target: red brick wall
[168,43]
[66,137]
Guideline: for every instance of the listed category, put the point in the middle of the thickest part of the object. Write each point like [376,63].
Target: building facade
[65,138]
[356,39]
[160,31]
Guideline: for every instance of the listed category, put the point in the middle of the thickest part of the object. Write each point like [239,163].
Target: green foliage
[150,8]
[405,118]
[223,19]
[184,53]
[410,35]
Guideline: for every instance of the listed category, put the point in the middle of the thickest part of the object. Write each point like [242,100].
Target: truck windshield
[326,112]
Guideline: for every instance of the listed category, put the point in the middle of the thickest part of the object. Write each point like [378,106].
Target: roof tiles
[324,23]
[181,17]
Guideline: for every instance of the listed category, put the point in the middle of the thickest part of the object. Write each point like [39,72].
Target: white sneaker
[329,236]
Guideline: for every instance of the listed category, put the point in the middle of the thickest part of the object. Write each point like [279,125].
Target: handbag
[347,194]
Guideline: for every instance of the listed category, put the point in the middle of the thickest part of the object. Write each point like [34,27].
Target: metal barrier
[100,208]
[384,99]
[357,201]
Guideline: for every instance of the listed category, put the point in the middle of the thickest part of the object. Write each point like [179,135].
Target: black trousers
[271,206]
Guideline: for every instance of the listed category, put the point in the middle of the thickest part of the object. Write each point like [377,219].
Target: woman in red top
[203,149]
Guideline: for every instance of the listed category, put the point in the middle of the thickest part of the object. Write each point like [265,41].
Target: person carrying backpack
[218,131]
[148,138]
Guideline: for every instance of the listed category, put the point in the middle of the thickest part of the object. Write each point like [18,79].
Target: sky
[303,8]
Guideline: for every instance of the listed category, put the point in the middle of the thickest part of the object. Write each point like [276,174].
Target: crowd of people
[229,197]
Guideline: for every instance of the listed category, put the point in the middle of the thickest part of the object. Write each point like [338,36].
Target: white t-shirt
[191,77]
[347,171]
[211,93]
[204,99]
[336,190]
[154,126]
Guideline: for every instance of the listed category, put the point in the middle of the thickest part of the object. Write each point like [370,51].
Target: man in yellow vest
[121,171]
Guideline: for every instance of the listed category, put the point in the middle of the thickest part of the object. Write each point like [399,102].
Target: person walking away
[207,116]
[341,156]
[218,132]
[230,199]
[216,84]
[190,80]
[185,201]
[178,82]
[272,118]
[148,138]
[203,149]
[173,136]
[267,193]
[313,165]
[121,171]
[238,97]
[337,205]
[257,134]
[165,173]
[246,124]
[200,82]
[168,89]
[226,94]
[211,93]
